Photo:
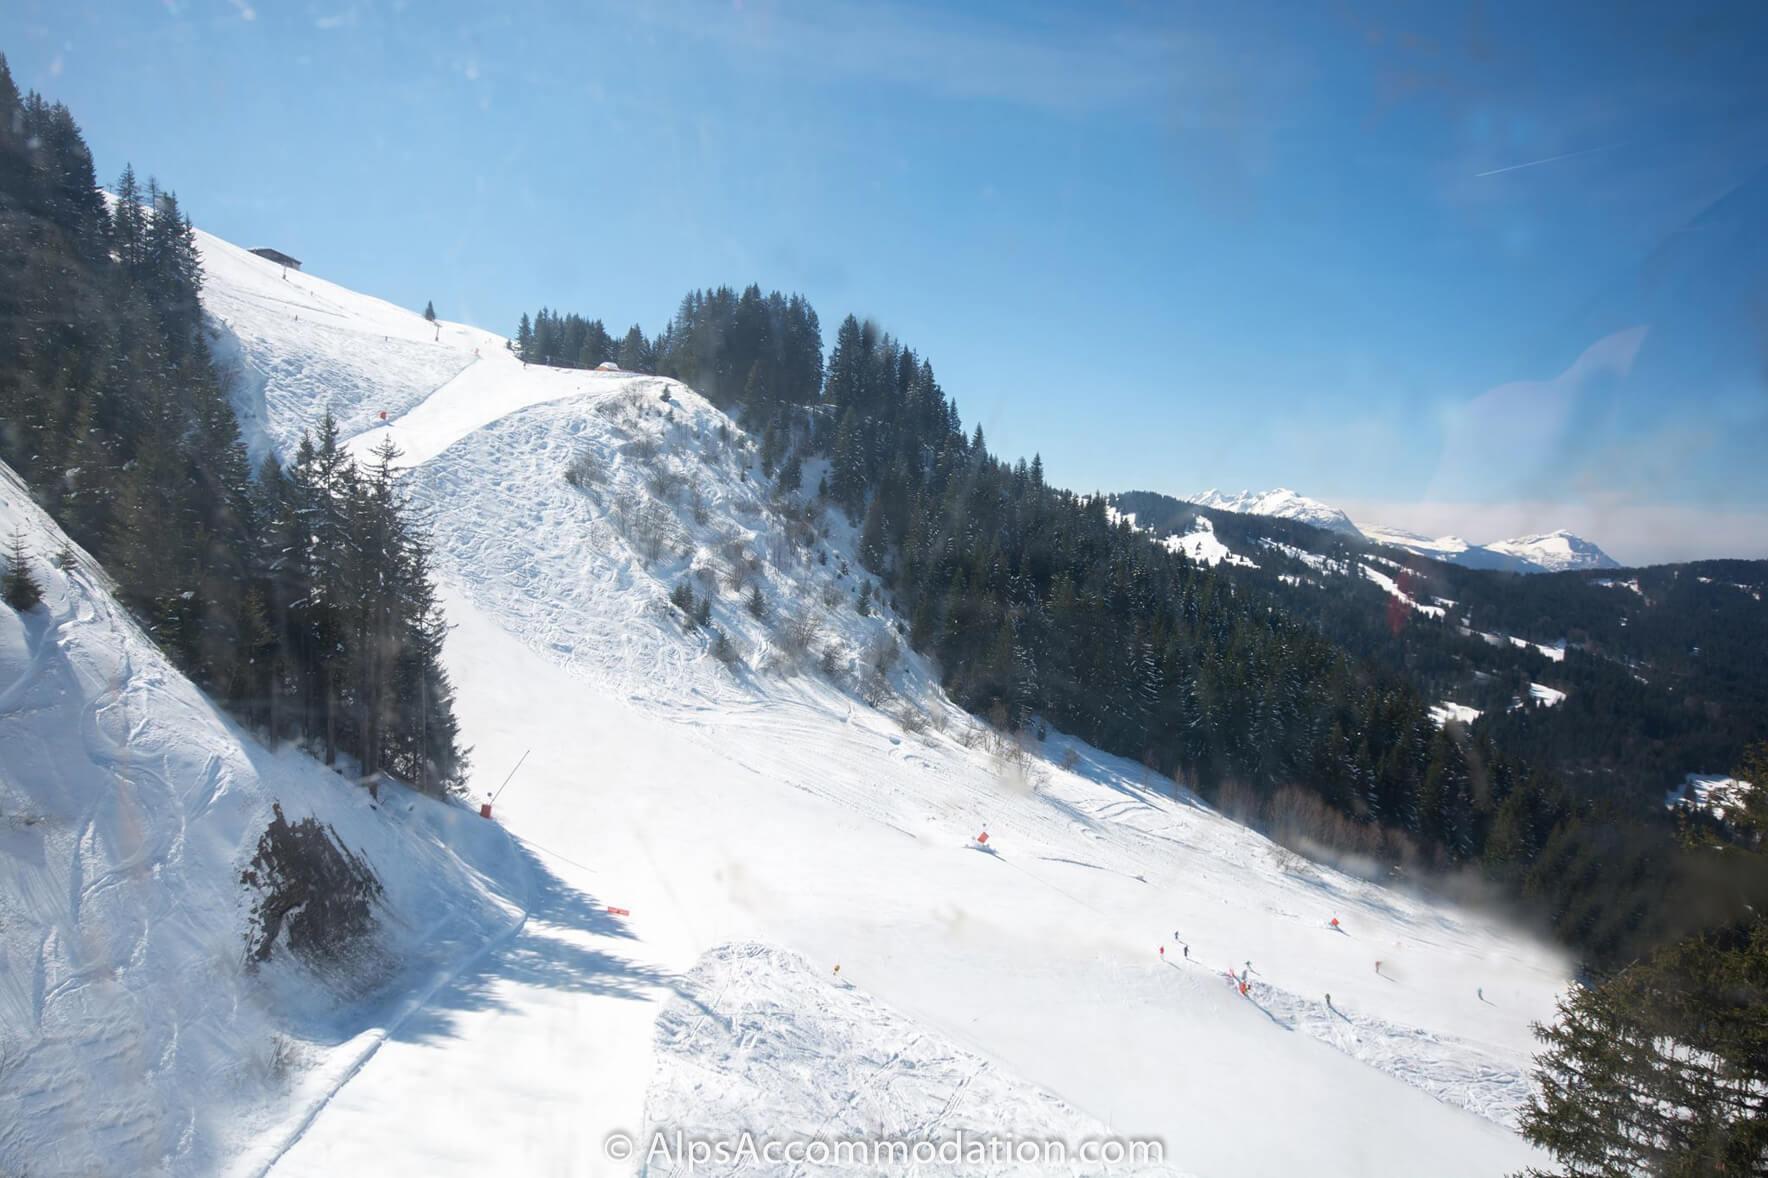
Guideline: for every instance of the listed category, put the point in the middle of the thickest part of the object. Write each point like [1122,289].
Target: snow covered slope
[1280,503]
[294,346]
[134,1039]
[811,803]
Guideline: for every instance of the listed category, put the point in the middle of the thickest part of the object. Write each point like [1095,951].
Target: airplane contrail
[1552,159]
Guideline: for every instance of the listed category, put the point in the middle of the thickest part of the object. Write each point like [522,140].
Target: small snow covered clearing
[762,762]
[1546,696]
[138,1032]
[1713,793]
[1313,560]
[1448,710]
[1200,544]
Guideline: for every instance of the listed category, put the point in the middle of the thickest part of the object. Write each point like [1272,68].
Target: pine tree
[635,352]
[430,312]
[847,483]
[1662,1068]
[791,473]
[20,587]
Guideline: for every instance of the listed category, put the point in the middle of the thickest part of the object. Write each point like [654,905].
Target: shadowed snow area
[813,801]
[134,1039]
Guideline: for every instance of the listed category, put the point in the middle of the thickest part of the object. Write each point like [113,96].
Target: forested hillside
[301,598]
[1660,667]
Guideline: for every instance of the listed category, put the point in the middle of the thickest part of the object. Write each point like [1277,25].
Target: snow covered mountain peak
[1280,503]
[1556,551]
[1550,552]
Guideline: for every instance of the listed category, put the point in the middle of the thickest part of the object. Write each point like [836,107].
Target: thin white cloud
[1508,437]
[1081,63]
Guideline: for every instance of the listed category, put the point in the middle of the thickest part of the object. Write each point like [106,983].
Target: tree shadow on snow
[553,950]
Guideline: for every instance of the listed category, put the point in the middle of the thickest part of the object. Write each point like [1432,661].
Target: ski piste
[758,825]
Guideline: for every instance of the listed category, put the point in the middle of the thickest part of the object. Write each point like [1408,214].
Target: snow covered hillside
[726,822]
[292,346]
[137,1033]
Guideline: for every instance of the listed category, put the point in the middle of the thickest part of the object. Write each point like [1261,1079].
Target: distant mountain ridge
[1549,552]
[1281,503]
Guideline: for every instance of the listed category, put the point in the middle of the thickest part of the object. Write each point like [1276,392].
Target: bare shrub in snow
[874,689]
[797,634]
[646,525]
[831,596]
[664,482]
[912,719]
[644,448]
[697,502]
[780,550]
[1239,802]
[1303,821]
[314,896]
[1070,759]
[652,531]
[882,652]
[586,469]
[281,1058]
[745,573]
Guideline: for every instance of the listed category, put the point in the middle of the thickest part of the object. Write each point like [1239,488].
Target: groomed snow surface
[757,825]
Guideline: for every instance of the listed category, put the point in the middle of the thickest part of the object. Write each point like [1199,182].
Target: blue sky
[1485,269]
